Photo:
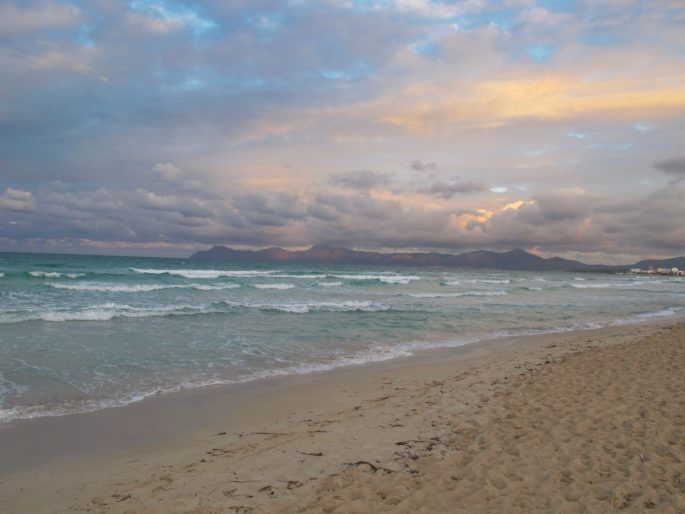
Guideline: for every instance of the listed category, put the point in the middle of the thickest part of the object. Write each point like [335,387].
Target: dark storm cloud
[417,165]
[587,222]
[675,166]
[448,190]
[270,209]
[562,221]
[361,179]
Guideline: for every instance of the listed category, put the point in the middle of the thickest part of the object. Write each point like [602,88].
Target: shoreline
[361,359]
[257,422]
[31,442]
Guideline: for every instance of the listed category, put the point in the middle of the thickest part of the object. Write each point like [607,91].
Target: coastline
[270,429]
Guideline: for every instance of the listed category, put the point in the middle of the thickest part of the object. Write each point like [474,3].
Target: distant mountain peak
[324,253]
[516,259]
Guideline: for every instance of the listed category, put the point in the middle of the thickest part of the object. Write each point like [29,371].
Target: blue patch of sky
[429,48]
[565,6]
[265,24]
[540,52]
[176,12]
[622,147]
[205,78]
[83,36]
[358,70]
[504,19]
[596,38]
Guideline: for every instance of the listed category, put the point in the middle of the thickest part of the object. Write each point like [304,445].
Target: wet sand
[588,421]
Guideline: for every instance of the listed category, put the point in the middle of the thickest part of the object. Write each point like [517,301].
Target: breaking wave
[109,311]
[54,274]
[204,273]
[274,286]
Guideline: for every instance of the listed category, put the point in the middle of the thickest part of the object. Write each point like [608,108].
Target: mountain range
[512,260]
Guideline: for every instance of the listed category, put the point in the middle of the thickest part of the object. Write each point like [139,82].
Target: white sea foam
[111,288]
[579,279]
[657,314]
[138,288]
[54,274]
[388,279]
[452,283]
[457,295]
[1,274]
[104,312]
[305,307]
[205,273]
[109,311]
[303,276]
[274,286]
[610,285]
[214,287]
[330,284]
[489,281]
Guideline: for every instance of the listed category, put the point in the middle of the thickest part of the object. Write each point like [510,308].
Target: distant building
[676,272]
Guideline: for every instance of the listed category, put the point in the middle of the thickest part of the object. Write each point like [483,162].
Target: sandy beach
[587,421]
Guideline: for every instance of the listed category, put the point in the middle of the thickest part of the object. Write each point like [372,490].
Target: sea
[83,333]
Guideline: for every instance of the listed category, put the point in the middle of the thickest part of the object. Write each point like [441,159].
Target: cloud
[167,172]
[17,200]
[421,166]
[167,123]
[511,101]
[39,16]
[360,179]
[675,166]
[450,189]
[277,209]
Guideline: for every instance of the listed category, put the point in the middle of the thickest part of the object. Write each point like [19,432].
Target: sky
[161,127]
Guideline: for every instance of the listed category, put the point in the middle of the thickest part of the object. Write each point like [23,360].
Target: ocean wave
[657,314]
[274,286]
[138,288]
[213,287]
[112,288]
[457,295]
[376,352]
[1,274]
[302,276]
[388,279]
[612,285]
[306,307]
[204,273]
[109,311]
[54,274]
[104,312]
[489,281]
[330,284]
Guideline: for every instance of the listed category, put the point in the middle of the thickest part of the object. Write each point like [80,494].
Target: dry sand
[589,421]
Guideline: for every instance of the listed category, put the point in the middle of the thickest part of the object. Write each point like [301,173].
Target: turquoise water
[80,333]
